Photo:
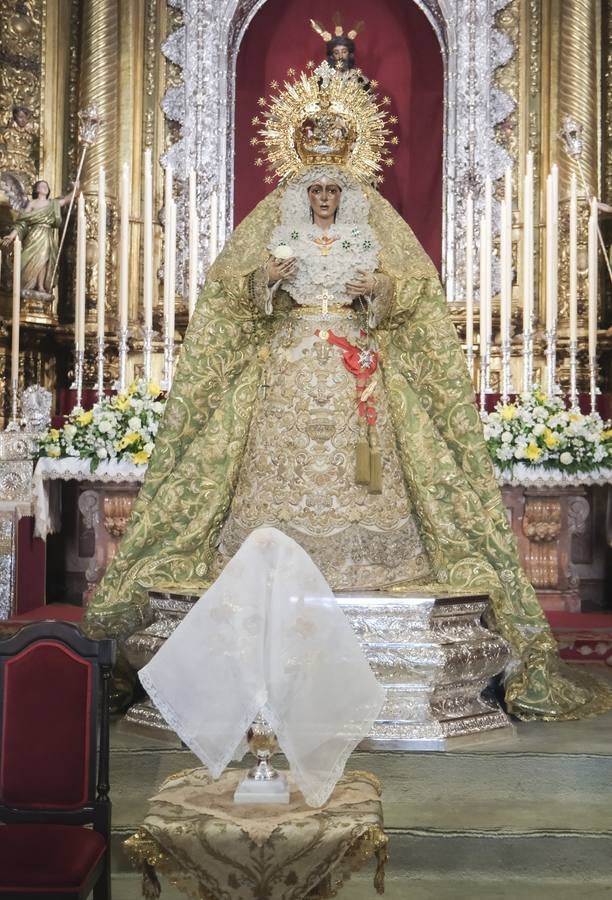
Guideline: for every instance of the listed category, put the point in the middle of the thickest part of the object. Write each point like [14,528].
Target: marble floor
[526,812]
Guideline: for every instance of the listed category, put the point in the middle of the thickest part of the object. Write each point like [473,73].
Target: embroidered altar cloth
[212,848]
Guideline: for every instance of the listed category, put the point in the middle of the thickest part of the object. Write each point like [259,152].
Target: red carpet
[583,637]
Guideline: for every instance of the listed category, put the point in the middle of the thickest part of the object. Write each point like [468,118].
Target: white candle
[214,233]
[193,243]
[573,260]
[489,259]
[528,246]
[504,271]
[167,202]
[592,255]
[147,275]
[124,247]
[171,269]
[469,272]
[16,310]
[101,251]
[506,312]
[81,274]
[484,311]
[552,199]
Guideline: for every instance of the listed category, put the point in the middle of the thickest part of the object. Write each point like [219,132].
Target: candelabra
[123,355]
[13,425]
[168,359]
[506,378]
[593,381]
[573,391]
[100,361]
[527,360]
[551,361]
[147,350]
[79,366]
[470,360]
[485,379]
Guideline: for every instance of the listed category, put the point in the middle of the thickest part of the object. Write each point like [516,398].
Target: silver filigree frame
[206,48]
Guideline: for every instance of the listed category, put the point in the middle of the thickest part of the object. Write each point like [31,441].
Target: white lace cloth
[47,511]
[268,635]
[537,476]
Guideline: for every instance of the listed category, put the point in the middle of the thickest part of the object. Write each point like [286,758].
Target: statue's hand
[8,239]
[280,269]
[361,284]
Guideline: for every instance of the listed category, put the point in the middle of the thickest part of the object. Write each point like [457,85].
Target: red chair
[54,756]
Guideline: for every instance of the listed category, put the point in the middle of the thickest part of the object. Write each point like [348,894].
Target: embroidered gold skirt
[298,472]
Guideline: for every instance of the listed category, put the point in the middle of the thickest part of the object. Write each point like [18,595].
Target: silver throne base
[431,652]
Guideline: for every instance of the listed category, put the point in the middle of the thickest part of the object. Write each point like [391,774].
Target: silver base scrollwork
[431,653]
[100,367]
[573,391]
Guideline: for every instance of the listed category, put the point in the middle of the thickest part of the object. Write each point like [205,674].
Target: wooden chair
[54,758]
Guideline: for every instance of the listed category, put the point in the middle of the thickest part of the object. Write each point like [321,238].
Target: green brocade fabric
[171,540]
[38,231]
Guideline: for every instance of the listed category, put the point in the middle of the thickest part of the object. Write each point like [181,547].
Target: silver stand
[147,351]
[573,392]
[13,425]
[77,384]
[168,359]
[263,784]
[485,379]
[470,360]
[123,355]
[527,360]
[506,379]
[551,362]
[593,381]
[100,361]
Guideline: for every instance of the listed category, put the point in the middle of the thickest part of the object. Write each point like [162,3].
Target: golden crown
[338,29]
[324,117]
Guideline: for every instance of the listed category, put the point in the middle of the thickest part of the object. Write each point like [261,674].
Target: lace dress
[298,472]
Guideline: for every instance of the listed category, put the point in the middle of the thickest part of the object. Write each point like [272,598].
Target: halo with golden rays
[360,138]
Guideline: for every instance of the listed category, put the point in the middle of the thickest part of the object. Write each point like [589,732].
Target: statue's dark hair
[35,187]
[341,41]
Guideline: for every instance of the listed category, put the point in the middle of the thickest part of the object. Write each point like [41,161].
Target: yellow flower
[154,389]
[508,412]
[540,396]
[132,388]
[550,439]
[533,452]
[141,457]
[121,402]
[54,433]
[606,435]
[575,417]
[131,438]
[53,451]
[85,418]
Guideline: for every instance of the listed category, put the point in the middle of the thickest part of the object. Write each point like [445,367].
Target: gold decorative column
[578,87]
[99,86]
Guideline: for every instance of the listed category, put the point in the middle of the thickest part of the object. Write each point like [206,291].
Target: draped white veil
[268,635]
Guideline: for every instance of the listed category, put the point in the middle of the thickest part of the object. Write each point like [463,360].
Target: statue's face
[340,53]
[42,189]
[21,116]
[324,198]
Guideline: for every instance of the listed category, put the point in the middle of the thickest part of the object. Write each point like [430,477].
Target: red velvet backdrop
[400,50]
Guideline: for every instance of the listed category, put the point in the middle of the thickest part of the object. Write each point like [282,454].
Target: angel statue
[322,390]
[37,226]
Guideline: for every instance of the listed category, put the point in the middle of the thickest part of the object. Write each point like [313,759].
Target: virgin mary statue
[322,390]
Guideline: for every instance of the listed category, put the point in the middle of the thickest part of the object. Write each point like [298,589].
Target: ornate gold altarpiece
[513,69]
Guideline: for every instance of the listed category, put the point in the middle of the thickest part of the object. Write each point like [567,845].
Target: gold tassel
[362,466]
[375,472]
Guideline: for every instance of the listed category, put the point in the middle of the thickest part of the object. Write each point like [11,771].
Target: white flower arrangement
[536,430]
[119,427]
